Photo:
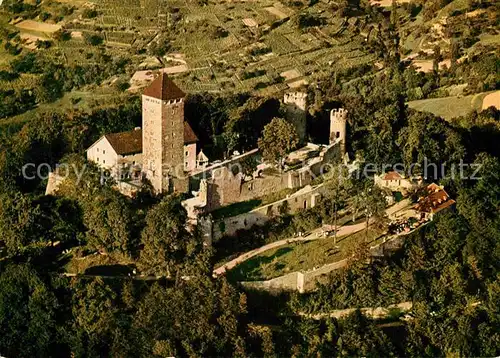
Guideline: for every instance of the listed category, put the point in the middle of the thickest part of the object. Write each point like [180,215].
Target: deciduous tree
[278,139]
[167,246]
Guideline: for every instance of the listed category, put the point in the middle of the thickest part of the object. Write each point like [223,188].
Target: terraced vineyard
[217,41]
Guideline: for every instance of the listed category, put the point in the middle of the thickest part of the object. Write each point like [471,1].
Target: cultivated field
[492,100]
[38,26]
[235,46]
[451,107]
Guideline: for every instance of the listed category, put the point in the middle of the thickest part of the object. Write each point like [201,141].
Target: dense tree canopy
[28,314]
[167,246]
[168,303]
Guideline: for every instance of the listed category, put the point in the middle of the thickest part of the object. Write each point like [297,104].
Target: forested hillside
[92,273]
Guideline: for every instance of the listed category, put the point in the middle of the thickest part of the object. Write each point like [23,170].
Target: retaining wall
[305,198]
[304,281]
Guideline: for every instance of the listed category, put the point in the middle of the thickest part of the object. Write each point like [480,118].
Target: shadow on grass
[250,270]
[236,209]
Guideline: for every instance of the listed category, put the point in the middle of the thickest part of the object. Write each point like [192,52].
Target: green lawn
[450,107]
[297,256]
[82,100]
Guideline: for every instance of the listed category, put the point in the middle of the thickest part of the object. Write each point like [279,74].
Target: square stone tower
[163,135]
[295,112]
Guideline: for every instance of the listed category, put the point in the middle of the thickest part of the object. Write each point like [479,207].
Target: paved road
[314,235]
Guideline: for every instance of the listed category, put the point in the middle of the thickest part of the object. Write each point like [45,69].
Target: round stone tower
[338,127]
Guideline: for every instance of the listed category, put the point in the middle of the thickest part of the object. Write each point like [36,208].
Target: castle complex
[164,151]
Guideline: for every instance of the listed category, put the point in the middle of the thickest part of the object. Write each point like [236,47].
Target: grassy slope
[450,107]
[299,256]
[86,101]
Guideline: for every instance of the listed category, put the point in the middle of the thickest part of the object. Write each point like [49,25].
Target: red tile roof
[392,176]
[163,88]
[189,136]
[436,200]
[433,187]
[127,143]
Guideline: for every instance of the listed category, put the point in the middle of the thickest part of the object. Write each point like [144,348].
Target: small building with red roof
[434,201]
[395,181]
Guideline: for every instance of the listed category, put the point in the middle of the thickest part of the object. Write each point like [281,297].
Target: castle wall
[129,166]
[189,157]
[103,154]
[332,154]
[304,199]
[225,188]
[133,159]
[207,172]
